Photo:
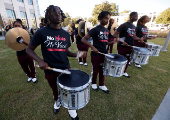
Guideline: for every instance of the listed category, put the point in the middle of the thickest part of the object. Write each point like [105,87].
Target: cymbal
[11,36]
[112,30]
[87,29]
[81,29]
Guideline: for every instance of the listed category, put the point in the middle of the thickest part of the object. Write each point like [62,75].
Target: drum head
[142,50]
[117,57]
[77,78]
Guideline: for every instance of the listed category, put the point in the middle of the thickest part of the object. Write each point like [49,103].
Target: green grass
[136,98]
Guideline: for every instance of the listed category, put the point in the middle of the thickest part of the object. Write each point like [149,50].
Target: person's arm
[116,35]
[30,51]
[71,54]
[85,41]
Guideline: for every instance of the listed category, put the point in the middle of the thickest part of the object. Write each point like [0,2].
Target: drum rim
[116,54]
[74,88]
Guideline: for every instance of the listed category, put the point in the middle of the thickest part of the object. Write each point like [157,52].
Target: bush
[159,33]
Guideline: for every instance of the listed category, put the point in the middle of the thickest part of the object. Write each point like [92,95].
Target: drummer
[110,37]
[26,62]
[142,31]
[100,40]
[54,46]
[127,31]
[81,46]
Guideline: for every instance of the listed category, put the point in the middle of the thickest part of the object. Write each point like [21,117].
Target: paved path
[2,38]
[163,112]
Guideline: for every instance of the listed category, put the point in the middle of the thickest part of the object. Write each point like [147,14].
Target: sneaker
[126,75]
[73,114]
[85,64]
[104,89]
[138,66]
[94,87]
[29,80]
[57,105]
[34,80]
[129,64]
[81,63]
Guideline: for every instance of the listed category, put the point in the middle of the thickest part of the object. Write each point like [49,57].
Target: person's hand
[141,39]
[116,40]
[125,44]
[43,65]
[95,50]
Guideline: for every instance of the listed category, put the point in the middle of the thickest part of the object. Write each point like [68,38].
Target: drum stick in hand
[106,55]
[58,70]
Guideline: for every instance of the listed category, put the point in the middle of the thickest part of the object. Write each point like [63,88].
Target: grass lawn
[136,98]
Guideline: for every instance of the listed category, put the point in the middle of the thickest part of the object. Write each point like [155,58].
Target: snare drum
[140,55]
[154,48]
[74,89]
[114,66]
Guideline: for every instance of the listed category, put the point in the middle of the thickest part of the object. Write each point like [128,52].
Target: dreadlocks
[48,12]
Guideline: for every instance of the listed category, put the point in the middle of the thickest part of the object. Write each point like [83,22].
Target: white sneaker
[57,104]
[72,113]
[81,63]
[94,86]
[85,64]
[34,80]
[126,75]
[129,64]
[29,80]
[138,66]
[103,88]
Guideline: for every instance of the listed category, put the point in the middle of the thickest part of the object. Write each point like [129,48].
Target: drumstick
[58,70]
[106,55]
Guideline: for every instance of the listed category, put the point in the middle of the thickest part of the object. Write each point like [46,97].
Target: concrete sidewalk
[2,38]
[163,112]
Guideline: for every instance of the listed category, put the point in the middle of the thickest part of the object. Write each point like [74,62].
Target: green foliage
[67,20]
[105,6]
[126,11]
[164,17]
[94,21]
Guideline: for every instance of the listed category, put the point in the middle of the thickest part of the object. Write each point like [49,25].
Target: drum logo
[73,100]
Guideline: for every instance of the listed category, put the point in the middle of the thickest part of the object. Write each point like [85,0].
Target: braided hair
[48,11]
[103,14]
[141,20]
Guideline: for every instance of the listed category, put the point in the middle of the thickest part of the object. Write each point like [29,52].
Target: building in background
[27,10]
[124,17]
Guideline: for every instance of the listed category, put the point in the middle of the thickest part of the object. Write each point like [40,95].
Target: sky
[84,8]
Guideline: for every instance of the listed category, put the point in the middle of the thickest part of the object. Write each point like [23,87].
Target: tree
[67,20]
[126,11]
[105,6]
[92,20]
[164,17]
[74,20]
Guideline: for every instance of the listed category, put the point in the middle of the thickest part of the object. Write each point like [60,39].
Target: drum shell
[154,48]
[114,68]
[140,58]
[74,97]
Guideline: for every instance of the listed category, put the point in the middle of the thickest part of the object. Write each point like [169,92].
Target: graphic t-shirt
[109,28]
[126,30]
[78,41]
[54,46]
[100,38]
[141,31]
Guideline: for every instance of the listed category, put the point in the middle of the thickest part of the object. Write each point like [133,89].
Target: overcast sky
[84,8]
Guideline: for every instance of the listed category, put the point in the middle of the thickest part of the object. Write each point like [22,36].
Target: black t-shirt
[54,46]
[126,30]
[100,38]
[22,52]
[109,28]
[73,27]
[78,41]
[141,31]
